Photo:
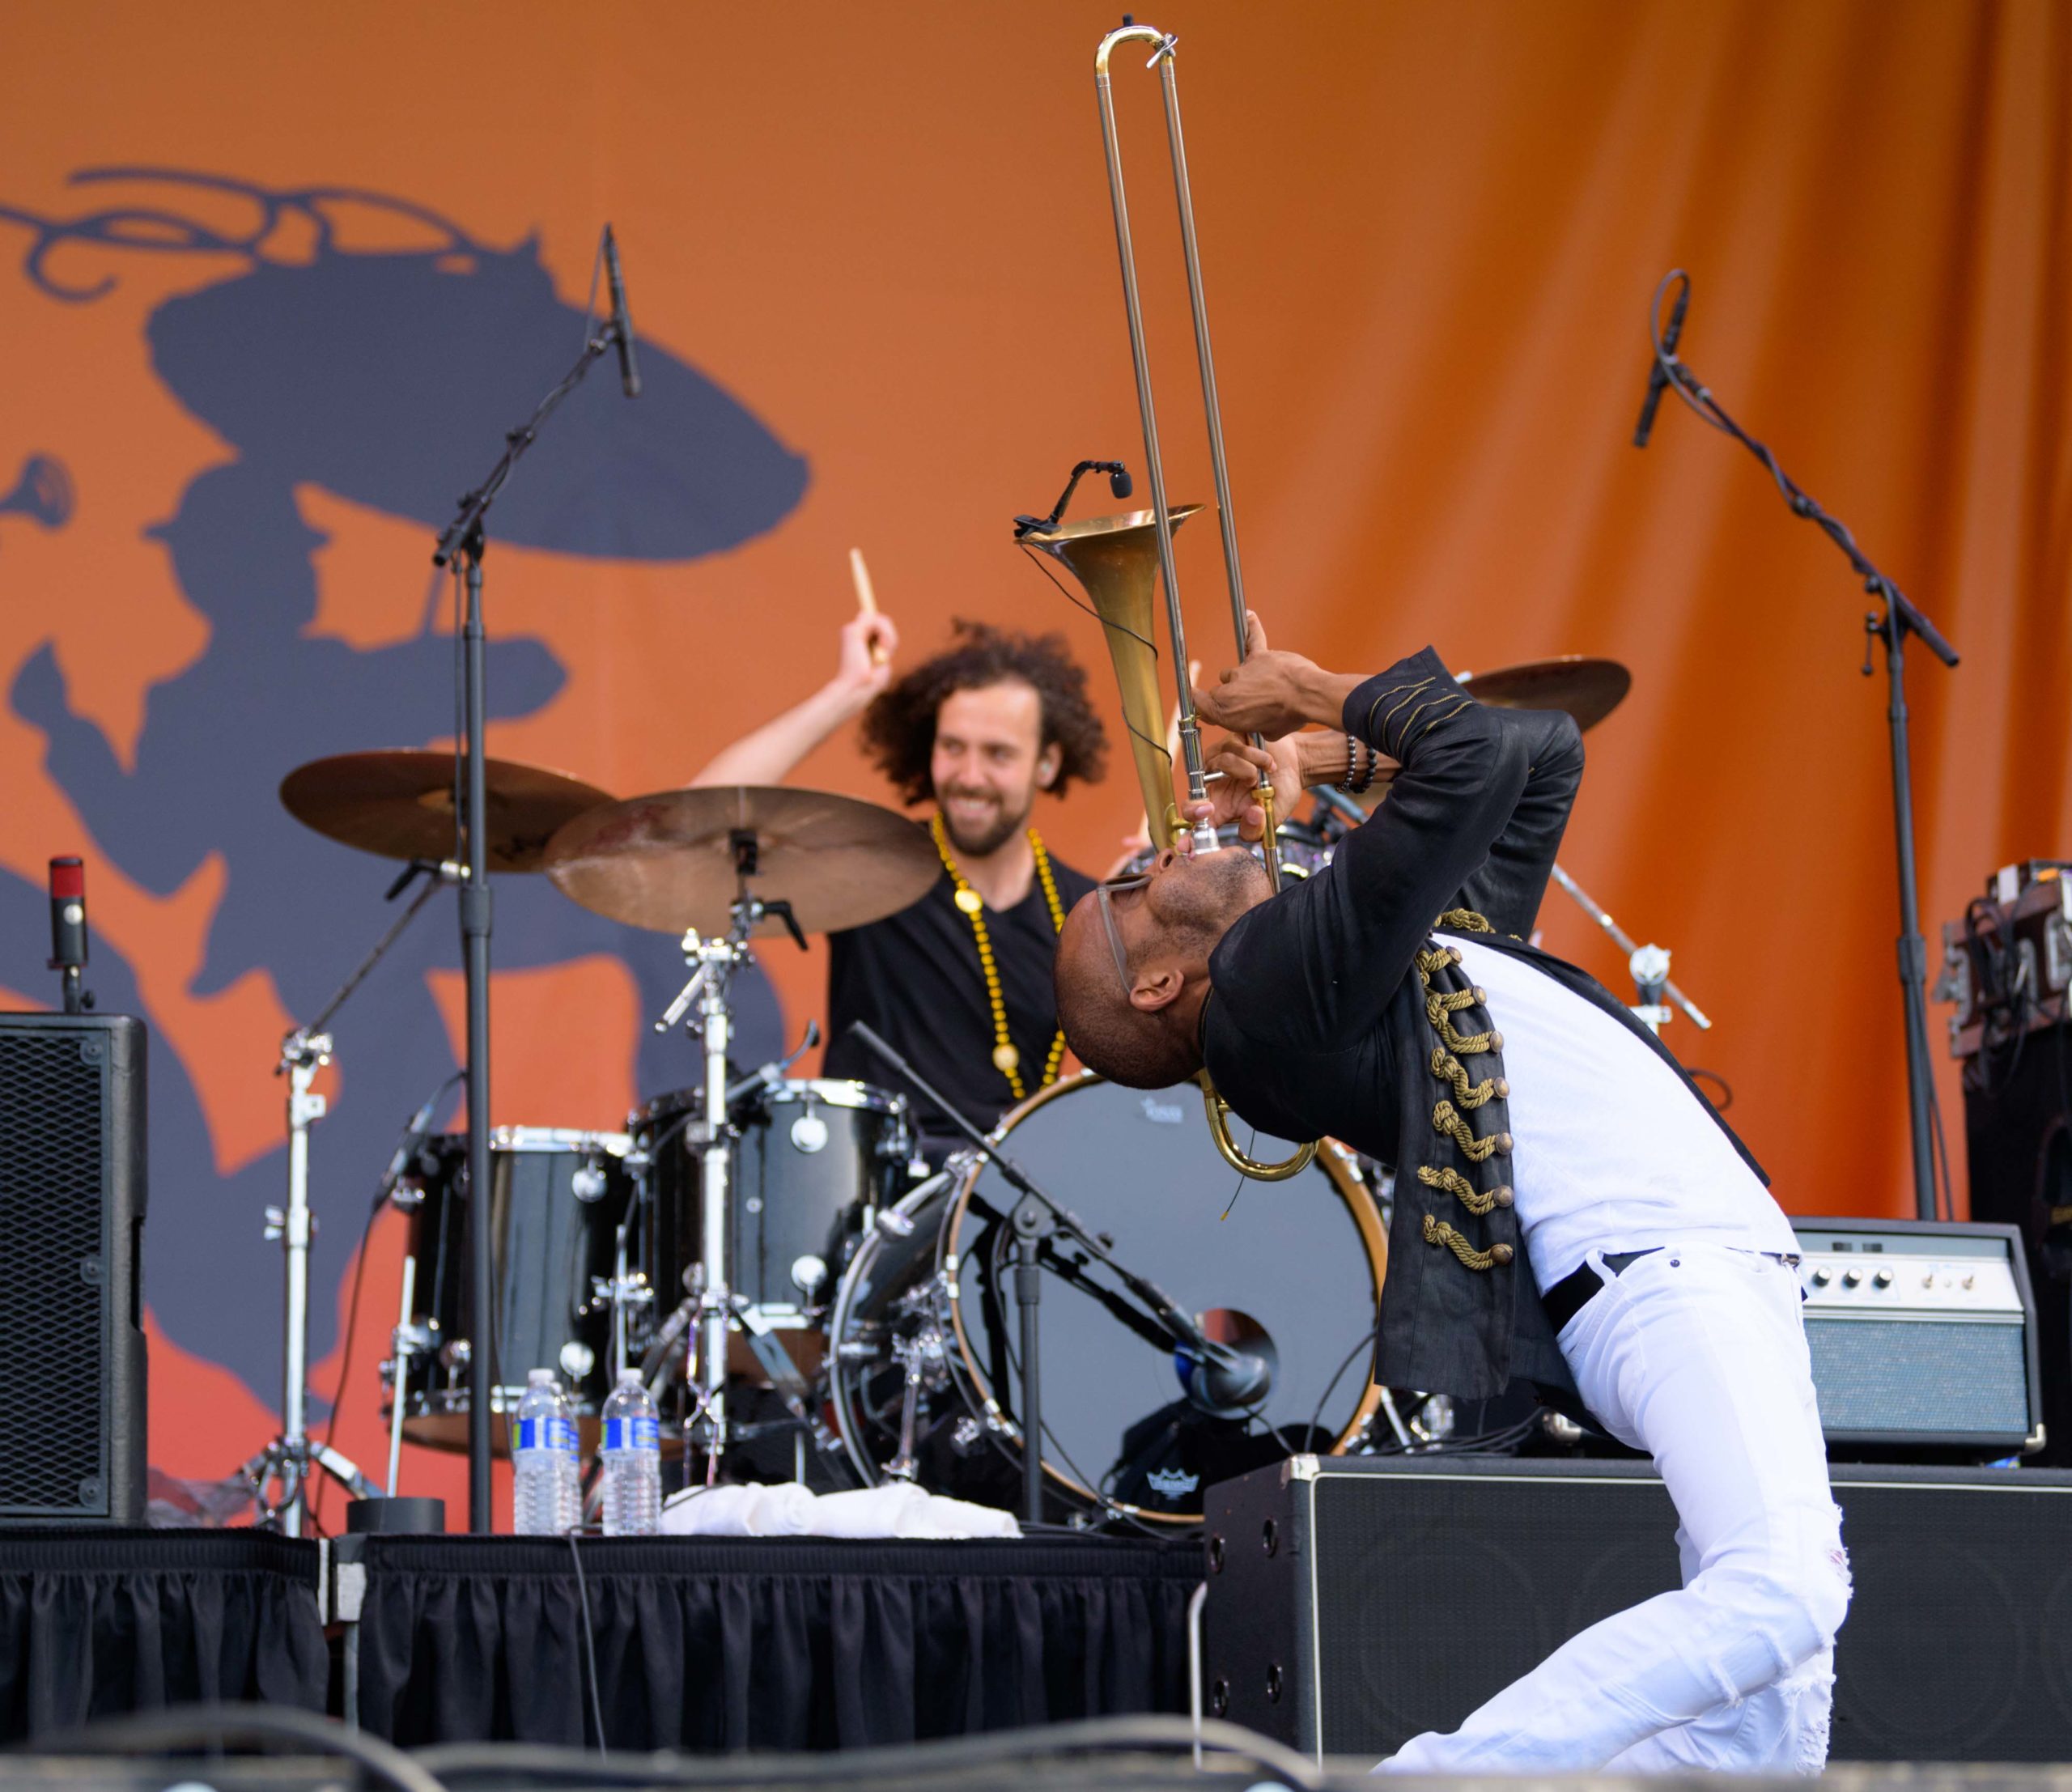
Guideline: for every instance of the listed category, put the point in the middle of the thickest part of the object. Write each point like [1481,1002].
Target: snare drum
[815,1161]
[1292,1272]
[563,1218]
[1304,849]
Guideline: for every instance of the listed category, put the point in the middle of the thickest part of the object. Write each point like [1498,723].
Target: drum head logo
[1172,1484]
[1163,1113]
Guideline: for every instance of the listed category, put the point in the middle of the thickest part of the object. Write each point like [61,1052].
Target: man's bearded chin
[1217,888]
[989,838]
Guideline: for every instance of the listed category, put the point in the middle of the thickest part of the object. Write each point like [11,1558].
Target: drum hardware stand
[626,1290]
[1649,969]
[304,1051]
[1900,619]
[1033,1225]
[404,1344]
[461,547]
[924,1359]
[716,960]
[1648,965]
[1037,1217]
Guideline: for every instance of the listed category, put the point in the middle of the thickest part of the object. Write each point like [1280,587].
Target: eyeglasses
[1105,891]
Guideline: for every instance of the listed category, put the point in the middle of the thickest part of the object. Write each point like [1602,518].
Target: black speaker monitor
[1356,1602]
[72,1440]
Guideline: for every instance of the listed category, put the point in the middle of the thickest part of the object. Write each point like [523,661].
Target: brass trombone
[1111,555]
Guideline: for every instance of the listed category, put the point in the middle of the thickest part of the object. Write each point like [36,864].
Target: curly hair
[899,726]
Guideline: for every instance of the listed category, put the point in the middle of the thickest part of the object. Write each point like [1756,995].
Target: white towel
[788,1510]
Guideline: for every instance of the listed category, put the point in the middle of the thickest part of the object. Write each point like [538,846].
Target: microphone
[1119,483]
[1658,375]
[413,1136]
[68,927]
[1224,1382]
[629,369]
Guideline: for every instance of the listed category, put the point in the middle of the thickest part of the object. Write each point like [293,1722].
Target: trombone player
[1569,1210]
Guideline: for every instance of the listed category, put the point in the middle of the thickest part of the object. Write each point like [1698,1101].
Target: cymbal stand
[711,1135]
[1648,965]
[287,1458]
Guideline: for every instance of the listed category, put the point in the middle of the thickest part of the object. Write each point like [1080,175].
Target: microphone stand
[1037,1216]
[1899,618]
[461,547]
[288,1459]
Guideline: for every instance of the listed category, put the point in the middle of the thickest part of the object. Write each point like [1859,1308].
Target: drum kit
[796,1271]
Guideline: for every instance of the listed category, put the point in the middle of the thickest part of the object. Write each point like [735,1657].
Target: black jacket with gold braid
[1336,1008]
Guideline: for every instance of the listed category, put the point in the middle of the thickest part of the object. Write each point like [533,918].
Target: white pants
[1697,1355]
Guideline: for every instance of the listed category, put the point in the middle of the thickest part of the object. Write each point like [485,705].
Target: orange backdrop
[1429,233]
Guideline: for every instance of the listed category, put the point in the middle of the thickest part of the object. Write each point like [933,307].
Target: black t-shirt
[914,977]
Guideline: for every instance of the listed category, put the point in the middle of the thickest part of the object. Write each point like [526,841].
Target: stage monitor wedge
[72,1198]
[1354,1601]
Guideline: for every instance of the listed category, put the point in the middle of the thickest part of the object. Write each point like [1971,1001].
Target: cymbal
[400,806]
[666,862]
[1588,690]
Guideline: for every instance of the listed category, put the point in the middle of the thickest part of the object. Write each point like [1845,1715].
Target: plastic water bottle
[632,1460]
[570,1508]
[545,1487]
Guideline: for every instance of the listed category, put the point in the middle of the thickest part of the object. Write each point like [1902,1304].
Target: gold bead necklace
[1006,1059]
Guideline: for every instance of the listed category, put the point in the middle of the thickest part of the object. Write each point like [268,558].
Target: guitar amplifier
[1923,1338]
[1355,1602]
[72,1445]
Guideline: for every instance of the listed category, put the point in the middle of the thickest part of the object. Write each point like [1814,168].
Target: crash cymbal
[1588,690]
[666,862]
[400,806]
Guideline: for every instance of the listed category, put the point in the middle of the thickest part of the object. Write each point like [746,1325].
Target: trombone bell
[1116,559]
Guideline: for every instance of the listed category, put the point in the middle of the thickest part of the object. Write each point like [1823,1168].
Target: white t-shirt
[1610,1151]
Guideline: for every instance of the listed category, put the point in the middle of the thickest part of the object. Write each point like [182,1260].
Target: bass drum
[925,1320]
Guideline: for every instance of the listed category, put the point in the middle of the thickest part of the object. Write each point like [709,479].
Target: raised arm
[1331,952]
[1506,888]
[768,755]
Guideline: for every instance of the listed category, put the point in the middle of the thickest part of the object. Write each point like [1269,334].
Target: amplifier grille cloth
[1434,1594]
[1887,1375]
[52,1329]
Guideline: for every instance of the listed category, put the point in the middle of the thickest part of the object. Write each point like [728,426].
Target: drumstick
[866,598]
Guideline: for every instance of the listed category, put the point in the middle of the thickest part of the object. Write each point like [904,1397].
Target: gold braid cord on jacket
[1450,1112]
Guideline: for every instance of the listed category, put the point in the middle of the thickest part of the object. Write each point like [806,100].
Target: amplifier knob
[1851,1278]
[1883,1279]
[1820,1278]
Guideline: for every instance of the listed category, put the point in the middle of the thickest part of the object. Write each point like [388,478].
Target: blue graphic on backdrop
[388,379]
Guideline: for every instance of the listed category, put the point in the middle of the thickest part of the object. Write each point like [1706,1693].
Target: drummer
[960,981]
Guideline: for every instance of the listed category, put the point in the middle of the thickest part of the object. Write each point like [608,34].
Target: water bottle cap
[629,1377]
[539,1377]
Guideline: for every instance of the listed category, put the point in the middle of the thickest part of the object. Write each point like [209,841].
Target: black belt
[1570,1295]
